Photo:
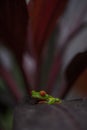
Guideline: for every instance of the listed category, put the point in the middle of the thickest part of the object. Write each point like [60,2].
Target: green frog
[43,96]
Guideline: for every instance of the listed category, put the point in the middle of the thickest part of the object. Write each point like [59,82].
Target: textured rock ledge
[69,115]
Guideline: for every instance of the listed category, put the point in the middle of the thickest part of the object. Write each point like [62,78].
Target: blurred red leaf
[13,25]
[58,60]
[13,28]
[44,15]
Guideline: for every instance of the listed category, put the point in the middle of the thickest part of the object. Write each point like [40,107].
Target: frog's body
[47,98]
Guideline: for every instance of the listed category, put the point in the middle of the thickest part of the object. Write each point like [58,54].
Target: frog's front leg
[51,100]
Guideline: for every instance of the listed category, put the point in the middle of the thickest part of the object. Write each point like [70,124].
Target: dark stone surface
[69,115]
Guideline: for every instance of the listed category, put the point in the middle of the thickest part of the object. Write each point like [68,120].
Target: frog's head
[40,95]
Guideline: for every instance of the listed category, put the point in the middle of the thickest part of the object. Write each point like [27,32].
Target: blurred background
[43,46]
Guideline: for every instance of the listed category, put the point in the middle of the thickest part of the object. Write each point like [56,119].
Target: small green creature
[43,96]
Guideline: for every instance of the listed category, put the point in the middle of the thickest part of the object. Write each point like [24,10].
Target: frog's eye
[42,93]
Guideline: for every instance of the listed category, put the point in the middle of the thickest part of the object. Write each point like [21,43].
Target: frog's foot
[58,102]
[42,102]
